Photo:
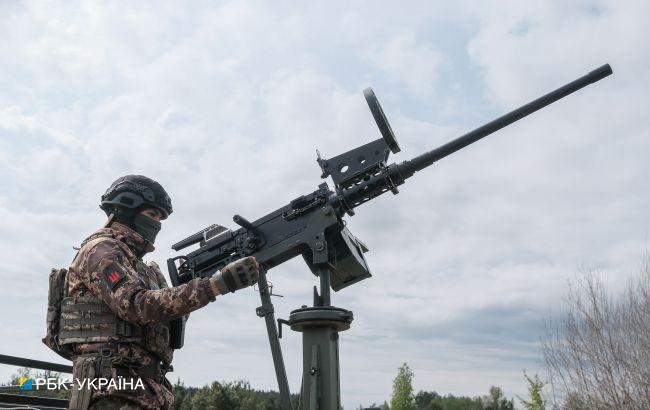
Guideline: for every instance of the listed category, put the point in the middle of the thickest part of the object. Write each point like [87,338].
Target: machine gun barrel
[418,163]
[395,175]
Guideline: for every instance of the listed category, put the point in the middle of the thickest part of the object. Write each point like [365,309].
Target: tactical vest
[87,319]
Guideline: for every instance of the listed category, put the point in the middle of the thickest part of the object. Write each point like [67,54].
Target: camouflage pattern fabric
[113,403]
[109,266]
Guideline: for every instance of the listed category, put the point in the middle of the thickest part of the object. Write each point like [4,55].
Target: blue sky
[225,103]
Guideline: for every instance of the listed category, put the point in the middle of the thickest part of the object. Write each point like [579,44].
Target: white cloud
[226,104]
[406,60]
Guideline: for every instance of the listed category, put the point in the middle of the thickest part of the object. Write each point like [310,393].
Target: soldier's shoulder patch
[113,277]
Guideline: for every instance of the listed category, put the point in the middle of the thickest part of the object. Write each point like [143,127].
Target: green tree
[496,401]
[425,400]
[220,396]
[536,401]
[403,398]
[506,404]
[450,402]
[375,406]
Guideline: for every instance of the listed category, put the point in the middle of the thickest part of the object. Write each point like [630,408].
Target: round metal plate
[322,316]
[380,119]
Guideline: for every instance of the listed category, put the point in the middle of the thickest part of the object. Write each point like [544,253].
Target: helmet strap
[109,220]
[124,216]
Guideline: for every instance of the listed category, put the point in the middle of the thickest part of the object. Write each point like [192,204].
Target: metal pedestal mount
[320,327]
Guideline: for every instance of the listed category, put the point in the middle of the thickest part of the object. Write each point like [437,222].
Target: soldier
[119,319]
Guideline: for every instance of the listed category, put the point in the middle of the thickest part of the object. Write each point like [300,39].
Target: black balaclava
[146,226]
[142,224]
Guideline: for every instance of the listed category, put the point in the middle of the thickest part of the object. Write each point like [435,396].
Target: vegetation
[217,396]
[221,396]
[404,399]
[597,353]
[239,395]
[535,387]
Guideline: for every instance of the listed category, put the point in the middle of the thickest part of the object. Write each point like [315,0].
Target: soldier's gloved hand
[236,275]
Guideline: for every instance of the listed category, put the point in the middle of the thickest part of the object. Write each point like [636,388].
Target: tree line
[239,395]
[403,397]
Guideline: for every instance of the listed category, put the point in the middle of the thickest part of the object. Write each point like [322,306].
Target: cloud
[402,58]
[225,105]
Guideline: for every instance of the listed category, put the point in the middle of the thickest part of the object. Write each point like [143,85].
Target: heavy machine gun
[312,226]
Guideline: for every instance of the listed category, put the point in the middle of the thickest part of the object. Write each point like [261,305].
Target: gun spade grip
[173,271]
[243,222]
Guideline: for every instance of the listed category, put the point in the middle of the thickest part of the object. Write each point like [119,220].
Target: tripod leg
[268,313]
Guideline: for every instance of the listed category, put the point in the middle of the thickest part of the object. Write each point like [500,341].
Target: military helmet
[134,191]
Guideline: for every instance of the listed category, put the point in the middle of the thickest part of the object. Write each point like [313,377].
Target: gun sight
[199,237]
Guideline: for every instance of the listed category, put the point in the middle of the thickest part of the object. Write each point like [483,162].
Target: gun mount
[312,226]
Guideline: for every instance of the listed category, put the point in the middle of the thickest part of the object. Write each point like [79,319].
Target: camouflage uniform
[113,403]
[109,268]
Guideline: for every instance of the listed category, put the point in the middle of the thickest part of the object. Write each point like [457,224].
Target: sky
[225,103]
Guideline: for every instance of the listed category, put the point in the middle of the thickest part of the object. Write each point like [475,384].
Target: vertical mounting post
[320,326]
[324,275]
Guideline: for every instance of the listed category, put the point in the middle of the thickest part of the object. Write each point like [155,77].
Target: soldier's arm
[162,282]
[108,274]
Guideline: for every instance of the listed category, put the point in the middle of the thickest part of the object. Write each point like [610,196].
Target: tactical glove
[236,275]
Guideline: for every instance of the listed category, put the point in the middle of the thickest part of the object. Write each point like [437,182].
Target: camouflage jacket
[138,294]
